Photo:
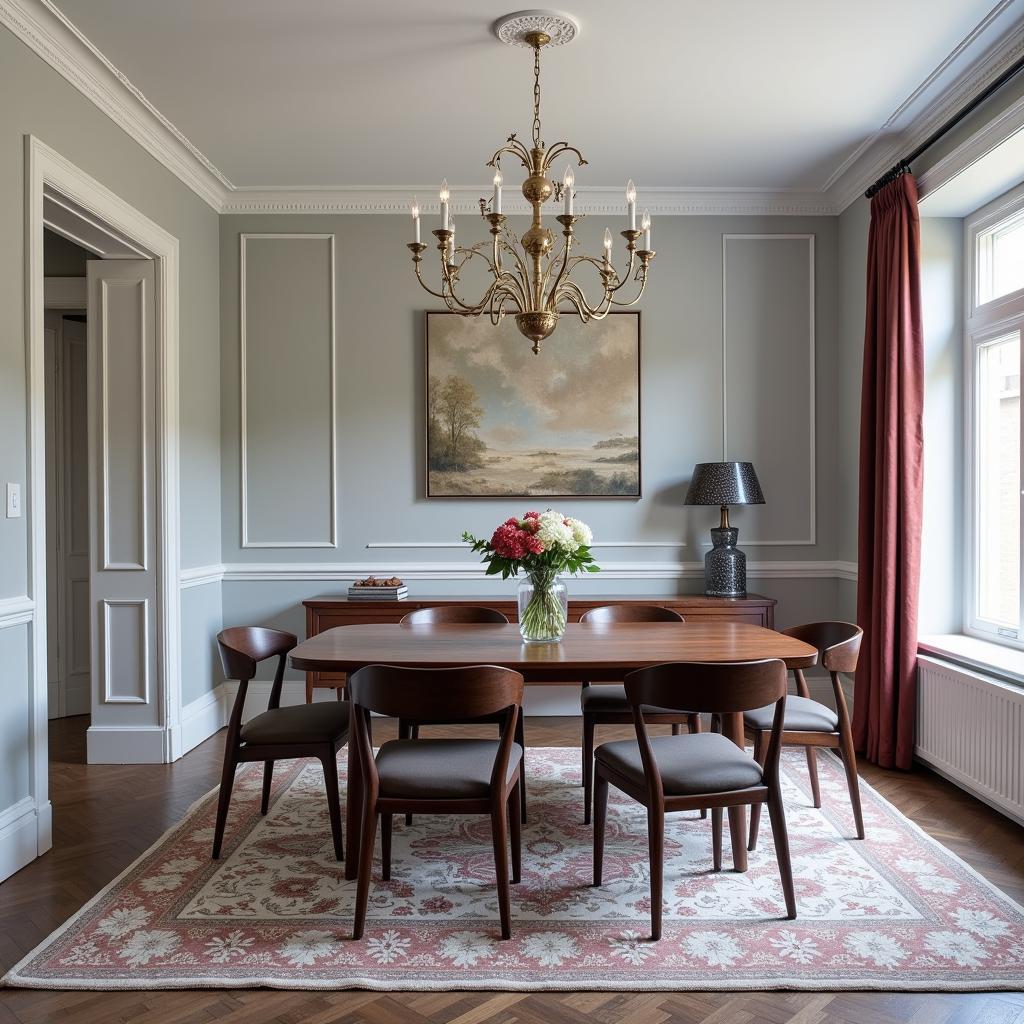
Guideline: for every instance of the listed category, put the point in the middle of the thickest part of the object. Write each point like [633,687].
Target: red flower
[509,541]
[532,515]
[534,545]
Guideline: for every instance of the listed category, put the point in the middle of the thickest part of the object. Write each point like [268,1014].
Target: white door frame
[45,167]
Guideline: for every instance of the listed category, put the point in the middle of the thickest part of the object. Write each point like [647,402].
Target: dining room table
[593,652]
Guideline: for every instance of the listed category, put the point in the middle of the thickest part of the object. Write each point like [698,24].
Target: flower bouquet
[542,545]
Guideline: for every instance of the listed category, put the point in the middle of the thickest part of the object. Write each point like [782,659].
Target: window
[995,257]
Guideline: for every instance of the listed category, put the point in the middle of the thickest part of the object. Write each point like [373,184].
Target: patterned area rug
[896,912]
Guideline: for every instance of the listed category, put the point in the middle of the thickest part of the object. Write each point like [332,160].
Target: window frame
[984,323]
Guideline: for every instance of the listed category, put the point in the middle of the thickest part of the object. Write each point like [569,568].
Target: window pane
[1001,259]
[998,511]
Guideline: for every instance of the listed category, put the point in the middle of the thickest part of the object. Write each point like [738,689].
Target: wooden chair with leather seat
[679,773]
[435,776]
[447,614]
[305,730]
[607,704]
[811,724]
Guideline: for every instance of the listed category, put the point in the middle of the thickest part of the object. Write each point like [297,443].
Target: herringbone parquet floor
[106,815]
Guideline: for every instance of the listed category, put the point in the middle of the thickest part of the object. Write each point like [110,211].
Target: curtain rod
[903,166]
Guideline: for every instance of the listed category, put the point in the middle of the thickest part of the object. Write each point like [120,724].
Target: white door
[122,504]
[67,516]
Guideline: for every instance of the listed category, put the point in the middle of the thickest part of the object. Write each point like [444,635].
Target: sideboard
[327,612]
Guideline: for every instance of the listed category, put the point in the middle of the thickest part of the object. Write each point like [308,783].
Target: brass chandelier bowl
[532,277]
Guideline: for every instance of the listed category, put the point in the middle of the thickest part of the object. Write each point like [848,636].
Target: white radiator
[970,728]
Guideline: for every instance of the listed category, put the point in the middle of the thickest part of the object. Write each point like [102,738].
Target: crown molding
[465,200]
[45,31]
[994,44]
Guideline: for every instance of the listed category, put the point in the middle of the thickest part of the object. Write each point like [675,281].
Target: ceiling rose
[560,28]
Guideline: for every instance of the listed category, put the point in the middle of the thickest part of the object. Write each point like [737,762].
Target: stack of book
[374,588]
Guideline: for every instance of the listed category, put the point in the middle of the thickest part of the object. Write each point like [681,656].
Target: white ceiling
[674,93]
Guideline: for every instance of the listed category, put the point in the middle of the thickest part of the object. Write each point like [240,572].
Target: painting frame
[432,494]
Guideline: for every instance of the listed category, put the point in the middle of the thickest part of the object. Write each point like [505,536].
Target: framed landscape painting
[503,422]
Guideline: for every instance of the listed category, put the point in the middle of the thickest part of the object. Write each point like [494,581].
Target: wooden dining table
[595,652]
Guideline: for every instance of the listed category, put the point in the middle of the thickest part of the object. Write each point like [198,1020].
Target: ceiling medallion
[531,277]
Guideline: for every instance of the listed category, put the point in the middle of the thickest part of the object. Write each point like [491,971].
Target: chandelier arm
[523,272]
[557,150]
[636,298]
[574,293]
[552,302]
[426,287]
[516,148]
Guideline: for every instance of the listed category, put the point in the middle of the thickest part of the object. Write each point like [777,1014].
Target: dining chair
[810,724]
[304,730]
[680,773]
[607,704]
[447,614]
[435,776]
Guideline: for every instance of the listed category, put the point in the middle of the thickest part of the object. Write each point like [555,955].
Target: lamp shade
[724,483]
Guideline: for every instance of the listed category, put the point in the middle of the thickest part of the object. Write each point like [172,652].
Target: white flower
[465,948]
[390,946]
[554,533]
[223,948]
[550,949]
[122,921]
[936,883]
[881,949]
[581,533]
[161,883]
[789,944]
[957,946]
[180,866]
[717,949]
[632,947]
[144,946]
[982,922]
[303,948]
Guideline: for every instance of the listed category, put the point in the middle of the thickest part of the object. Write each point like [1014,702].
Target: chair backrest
[722,687]
[454,694]
[241,649]
[630,613]
[453,613]
[838,643]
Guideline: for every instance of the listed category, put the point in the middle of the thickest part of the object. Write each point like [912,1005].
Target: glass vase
[543,608]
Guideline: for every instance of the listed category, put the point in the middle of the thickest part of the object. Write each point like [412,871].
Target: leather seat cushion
[690,764]
[440,769]
[612,699]
[323,722]
[802,715]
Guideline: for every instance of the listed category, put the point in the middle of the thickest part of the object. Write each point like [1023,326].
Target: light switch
[14,501]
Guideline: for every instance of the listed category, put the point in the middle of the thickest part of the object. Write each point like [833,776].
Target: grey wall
[38,101]
[62,258]
[379,374]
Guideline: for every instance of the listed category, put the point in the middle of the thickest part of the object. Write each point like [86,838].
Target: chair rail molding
[15,611]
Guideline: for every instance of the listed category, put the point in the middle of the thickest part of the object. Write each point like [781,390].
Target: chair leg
[333,802]
[693,723]
[268,778]
[600,819]
[405,733]
[656,847]
[760,752]
[227,780]
[849,756]
[589,725]
[777,815]
[499,836]
[385,846]
[716,837]
[309,690]
[521,740]
[676,729]
[415,732]
[812,771]
[369,835]
[516,828]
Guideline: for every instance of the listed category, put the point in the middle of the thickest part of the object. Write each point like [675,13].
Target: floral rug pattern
[895,912]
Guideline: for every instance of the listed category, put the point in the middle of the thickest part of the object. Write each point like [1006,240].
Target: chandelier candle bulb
[496,202]
[631,203]
[567,183]
[416,218]
[444,204]
[607,247]
[645,224]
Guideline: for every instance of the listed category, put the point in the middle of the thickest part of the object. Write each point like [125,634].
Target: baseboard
[19,837]
[202,717]
[125,744]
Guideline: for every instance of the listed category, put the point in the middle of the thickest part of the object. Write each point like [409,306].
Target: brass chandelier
[531,276]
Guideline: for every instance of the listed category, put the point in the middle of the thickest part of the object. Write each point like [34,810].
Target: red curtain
[891,480]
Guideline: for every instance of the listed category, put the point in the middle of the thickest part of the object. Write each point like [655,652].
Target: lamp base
[725,566]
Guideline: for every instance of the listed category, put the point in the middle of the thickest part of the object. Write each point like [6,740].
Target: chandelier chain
[536,96]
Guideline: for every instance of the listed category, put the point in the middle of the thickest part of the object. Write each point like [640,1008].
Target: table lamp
[724,484]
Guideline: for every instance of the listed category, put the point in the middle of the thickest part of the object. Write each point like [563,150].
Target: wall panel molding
[246,542]
[111,637]
[812,498]
[15,611]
